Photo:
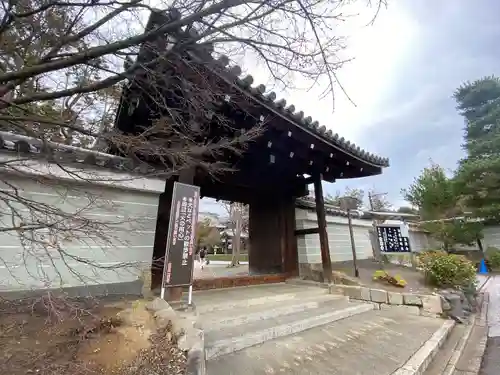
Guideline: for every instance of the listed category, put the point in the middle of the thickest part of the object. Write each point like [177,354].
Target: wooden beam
[247,195]
[303,232]
[323,235]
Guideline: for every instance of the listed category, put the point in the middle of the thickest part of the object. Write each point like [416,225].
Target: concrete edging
[419,361]
[196,361]
[471,353]
[459,349]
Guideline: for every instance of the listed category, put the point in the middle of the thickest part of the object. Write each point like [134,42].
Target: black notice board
[391,240]
[179,257]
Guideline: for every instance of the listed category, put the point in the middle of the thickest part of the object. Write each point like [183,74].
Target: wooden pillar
[161,234]
[323,235]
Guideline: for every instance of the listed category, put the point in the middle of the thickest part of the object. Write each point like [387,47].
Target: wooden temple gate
[268,175]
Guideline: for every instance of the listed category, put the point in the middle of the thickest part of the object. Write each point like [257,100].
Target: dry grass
[96,340]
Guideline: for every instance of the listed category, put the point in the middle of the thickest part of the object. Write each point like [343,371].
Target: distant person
[203,254]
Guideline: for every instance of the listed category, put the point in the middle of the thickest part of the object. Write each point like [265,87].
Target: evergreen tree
[439,205]
[478,175]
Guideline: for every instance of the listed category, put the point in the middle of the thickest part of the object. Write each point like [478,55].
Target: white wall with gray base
[104,236]
[340,241]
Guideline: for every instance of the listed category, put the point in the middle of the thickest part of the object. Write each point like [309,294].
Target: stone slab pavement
[482,280]
[491,359]
[379,342]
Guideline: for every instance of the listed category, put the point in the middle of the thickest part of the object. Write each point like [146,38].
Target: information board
[391,239]
[179,253]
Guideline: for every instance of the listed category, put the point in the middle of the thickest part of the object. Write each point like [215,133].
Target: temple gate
[291,152]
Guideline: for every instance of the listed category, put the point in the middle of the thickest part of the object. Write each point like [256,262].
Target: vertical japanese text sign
[392,240]
[178,268]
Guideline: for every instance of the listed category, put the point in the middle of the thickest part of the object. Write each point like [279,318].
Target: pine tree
[479,173]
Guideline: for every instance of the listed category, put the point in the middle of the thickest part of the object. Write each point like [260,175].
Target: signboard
[392,240]
[179,254]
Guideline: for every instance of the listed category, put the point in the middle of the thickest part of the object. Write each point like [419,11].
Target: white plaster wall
[339,239]
[122,243]
[491,236]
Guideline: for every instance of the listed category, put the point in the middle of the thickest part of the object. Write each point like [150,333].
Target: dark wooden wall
[161,233]
[273,246]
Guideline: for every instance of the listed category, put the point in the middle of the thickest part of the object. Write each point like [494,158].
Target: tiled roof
[298,117]
[61,153]
[308,203]
[233,73]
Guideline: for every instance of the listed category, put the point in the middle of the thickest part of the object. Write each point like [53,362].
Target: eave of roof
[232,74]
[67,154]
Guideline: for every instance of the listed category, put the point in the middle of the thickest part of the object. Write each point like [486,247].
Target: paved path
[212,270]
[491,360]
[374,343]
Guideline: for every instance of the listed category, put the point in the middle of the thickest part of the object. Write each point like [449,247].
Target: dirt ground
[86,338]
[366,267]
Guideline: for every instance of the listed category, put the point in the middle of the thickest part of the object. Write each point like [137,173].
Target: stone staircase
[291,329]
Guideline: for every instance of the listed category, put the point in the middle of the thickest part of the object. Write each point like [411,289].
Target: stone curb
[184,322]
[478,319]
[430,305]
[474,365]
[419,361]
[196,361]
[460,347]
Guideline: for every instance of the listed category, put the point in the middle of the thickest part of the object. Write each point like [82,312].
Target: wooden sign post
[179,253]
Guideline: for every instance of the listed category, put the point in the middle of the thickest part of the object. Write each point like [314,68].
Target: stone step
[245,297]
[214,320]
[229,339]
[381,342]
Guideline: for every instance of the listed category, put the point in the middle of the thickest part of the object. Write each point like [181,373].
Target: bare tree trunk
[236,239]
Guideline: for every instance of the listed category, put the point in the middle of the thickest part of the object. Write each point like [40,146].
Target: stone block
[353,292]
[146,282]
[336,289]
[365,294]
[378,295]
[412,299]
[311,271]
[192,338]
[158,304]
[431,305]
[445,305]
[395,298]
[377,306]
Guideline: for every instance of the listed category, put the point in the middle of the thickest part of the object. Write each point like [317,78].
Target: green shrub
[425,255]
[493,257]
[447,270]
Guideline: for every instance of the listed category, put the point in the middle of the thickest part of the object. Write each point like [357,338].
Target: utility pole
[376,248]
[353,244]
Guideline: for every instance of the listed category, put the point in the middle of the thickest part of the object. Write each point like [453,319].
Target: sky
[406,67]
